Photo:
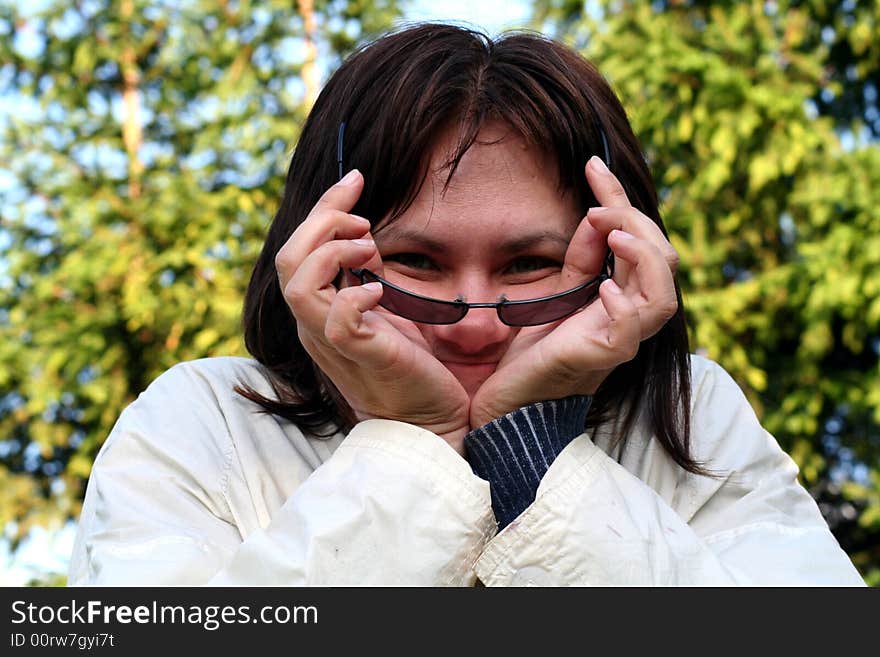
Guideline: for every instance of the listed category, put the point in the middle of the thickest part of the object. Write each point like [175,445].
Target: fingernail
[621,234]
[597,210]
[361,220]
[364,241]
[598,165]
[613,287]
[350,177]
[372,287]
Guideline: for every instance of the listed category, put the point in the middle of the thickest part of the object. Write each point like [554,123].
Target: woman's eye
[411,260]
[527,265]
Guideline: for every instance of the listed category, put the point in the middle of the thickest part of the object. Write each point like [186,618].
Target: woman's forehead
[498,150]
[501,238]
[501,188]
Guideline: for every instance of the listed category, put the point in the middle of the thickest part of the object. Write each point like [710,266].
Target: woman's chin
[471,375]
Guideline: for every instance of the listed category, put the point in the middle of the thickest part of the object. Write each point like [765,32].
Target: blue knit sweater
[514,451]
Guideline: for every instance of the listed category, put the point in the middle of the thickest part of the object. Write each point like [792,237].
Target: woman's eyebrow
[411,237]
[514,245]
[530,240]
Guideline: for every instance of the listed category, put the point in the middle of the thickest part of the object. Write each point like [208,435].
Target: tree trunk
[310,76]
[131,118]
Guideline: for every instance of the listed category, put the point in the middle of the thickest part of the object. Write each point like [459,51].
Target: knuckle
[345,217]
[319,213]
[321,250]
[282,260]
[632,316]
[334,332]
[617,190]
[631,351]
[626,346]
[669,306]
[655,250]
[331,250]
[672,257]
[333,217]
[341,324]
[295,294]
[634,214]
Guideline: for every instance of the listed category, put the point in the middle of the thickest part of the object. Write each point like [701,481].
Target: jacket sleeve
[596,523]
[393,504]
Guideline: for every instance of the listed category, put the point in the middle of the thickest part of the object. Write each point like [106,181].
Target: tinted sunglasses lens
[544,312]
[413,308]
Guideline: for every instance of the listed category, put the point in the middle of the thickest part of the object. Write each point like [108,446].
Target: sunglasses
[528,312]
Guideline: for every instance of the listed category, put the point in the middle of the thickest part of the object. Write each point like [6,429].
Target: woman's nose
[480,332]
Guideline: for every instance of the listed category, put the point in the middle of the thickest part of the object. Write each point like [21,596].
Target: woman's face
[501,227]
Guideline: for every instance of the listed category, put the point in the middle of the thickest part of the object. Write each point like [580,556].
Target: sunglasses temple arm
[339,138]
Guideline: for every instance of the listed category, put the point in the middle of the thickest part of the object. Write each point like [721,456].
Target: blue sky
[491,15]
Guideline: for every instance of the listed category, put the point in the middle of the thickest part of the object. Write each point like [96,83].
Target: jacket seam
[229,448]
[468,561]
[736,532]
[225,477]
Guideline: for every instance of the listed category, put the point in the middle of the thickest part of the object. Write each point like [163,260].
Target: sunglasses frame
[462,306]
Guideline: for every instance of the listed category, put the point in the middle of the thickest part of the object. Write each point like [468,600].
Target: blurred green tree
[142,154]
[759,121]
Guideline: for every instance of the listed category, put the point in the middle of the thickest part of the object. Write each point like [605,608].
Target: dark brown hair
[396,96]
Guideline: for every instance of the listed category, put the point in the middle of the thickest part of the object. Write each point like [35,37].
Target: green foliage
[142,160]
[744,110]
[124,253]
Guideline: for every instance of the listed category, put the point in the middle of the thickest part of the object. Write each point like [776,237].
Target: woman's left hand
[574,355]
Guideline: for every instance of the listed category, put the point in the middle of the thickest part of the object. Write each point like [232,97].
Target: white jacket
[194,486]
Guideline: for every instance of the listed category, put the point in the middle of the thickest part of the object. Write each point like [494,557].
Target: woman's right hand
[378,361]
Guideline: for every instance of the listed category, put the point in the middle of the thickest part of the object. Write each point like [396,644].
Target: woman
[471,364]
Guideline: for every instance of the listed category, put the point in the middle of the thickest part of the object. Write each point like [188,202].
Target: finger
[373,264]
[634,222]
[343,195]
[345,328]
[584,256]
[622,268]
[651,287]
[312,234]
[354,331]
[624,328]
[609,193]
[605,185]
[329,219]
[310,290]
